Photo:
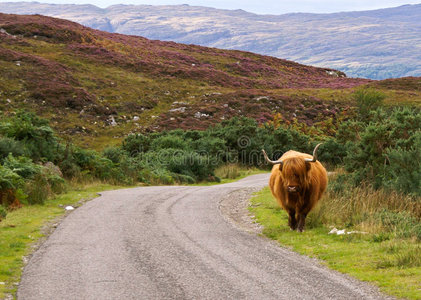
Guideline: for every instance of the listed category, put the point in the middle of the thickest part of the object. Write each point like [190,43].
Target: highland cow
[297,182]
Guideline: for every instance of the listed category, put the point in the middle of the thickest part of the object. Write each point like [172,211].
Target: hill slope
[99,85]
[374,44]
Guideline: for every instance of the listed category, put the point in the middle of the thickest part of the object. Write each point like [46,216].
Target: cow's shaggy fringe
[385,214]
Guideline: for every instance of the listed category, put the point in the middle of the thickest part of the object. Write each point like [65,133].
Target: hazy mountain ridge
[376,44]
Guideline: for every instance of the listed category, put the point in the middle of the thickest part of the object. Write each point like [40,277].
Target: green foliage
[9,145]
[34,133]
[23,166]
[404,171]
[115,154]
[135,144]
[368,100]
[386,151]
[170,141]
[191,164]
[9,179]
[332,152]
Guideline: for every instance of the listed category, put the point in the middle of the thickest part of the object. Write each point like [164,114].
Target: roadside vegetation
[373,149]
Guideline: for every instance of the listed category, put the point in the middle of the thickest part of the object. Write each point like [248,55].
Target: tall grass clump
[374,211]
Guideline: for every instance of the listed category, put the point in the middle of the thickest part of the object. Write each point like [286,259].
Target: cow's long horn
[273,162]
[314,154]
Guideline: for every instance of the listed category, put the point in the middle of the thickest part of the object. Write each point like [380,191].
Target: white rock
[136,118]
[262,98]
[333,231]
[180,109]
[112,121]
[69,207]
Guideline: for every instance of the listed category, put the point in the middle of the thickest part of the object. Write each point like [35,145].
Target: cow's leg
[302,212]
[301,221]
[292,221]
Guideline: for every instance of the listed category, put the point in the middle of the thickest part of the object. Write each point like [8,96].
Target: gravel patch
[234,208]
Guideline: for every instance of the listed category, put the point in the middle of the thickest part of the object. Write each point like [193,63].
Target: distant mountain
[374,44]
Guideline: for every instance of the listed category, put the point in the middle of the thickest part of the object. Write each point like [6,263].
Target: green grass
[23,228]
[232,172]
[393,264]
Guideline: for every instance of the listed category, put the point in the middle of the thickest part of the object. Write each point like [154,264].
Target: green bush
[136,143]
[69,168]
[367,100]
[23,166]
[10,146]
[115,154]
[169,142]
[404,170]
[34,133]
[385,152]
[191,164]
[332,152]
[10,179]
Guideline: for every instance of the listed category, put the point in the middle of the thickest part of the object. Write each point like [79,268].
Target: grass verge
[233,172]
[392,263]
[24,227]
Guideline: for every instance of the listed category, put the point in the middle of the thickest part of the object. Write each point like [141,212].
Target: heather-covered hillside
[99,85]
[375,44]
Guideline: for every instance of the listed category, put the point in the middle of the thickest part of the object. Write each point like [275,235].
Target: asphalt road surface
[173,242]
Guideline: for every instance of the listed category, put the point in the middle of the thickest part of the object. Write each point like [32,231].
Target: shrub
[34,133]
[332,152]
[115,154]
[9,179]
[10,188]
[10,146]
[386,151]
[367,100]
[135,144]
[169,142]
[23,166]
[404,172]
[191,164]
[69,168]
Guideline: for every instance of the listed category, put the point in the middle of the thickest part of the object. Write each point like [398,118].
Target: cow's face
[294,174]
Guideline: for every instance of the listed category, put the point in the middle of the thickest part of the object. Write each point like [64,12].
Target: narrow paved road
[172,242]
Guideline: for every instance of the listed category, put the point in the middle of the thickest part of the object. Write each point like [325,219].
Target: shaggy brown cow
[297,182]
